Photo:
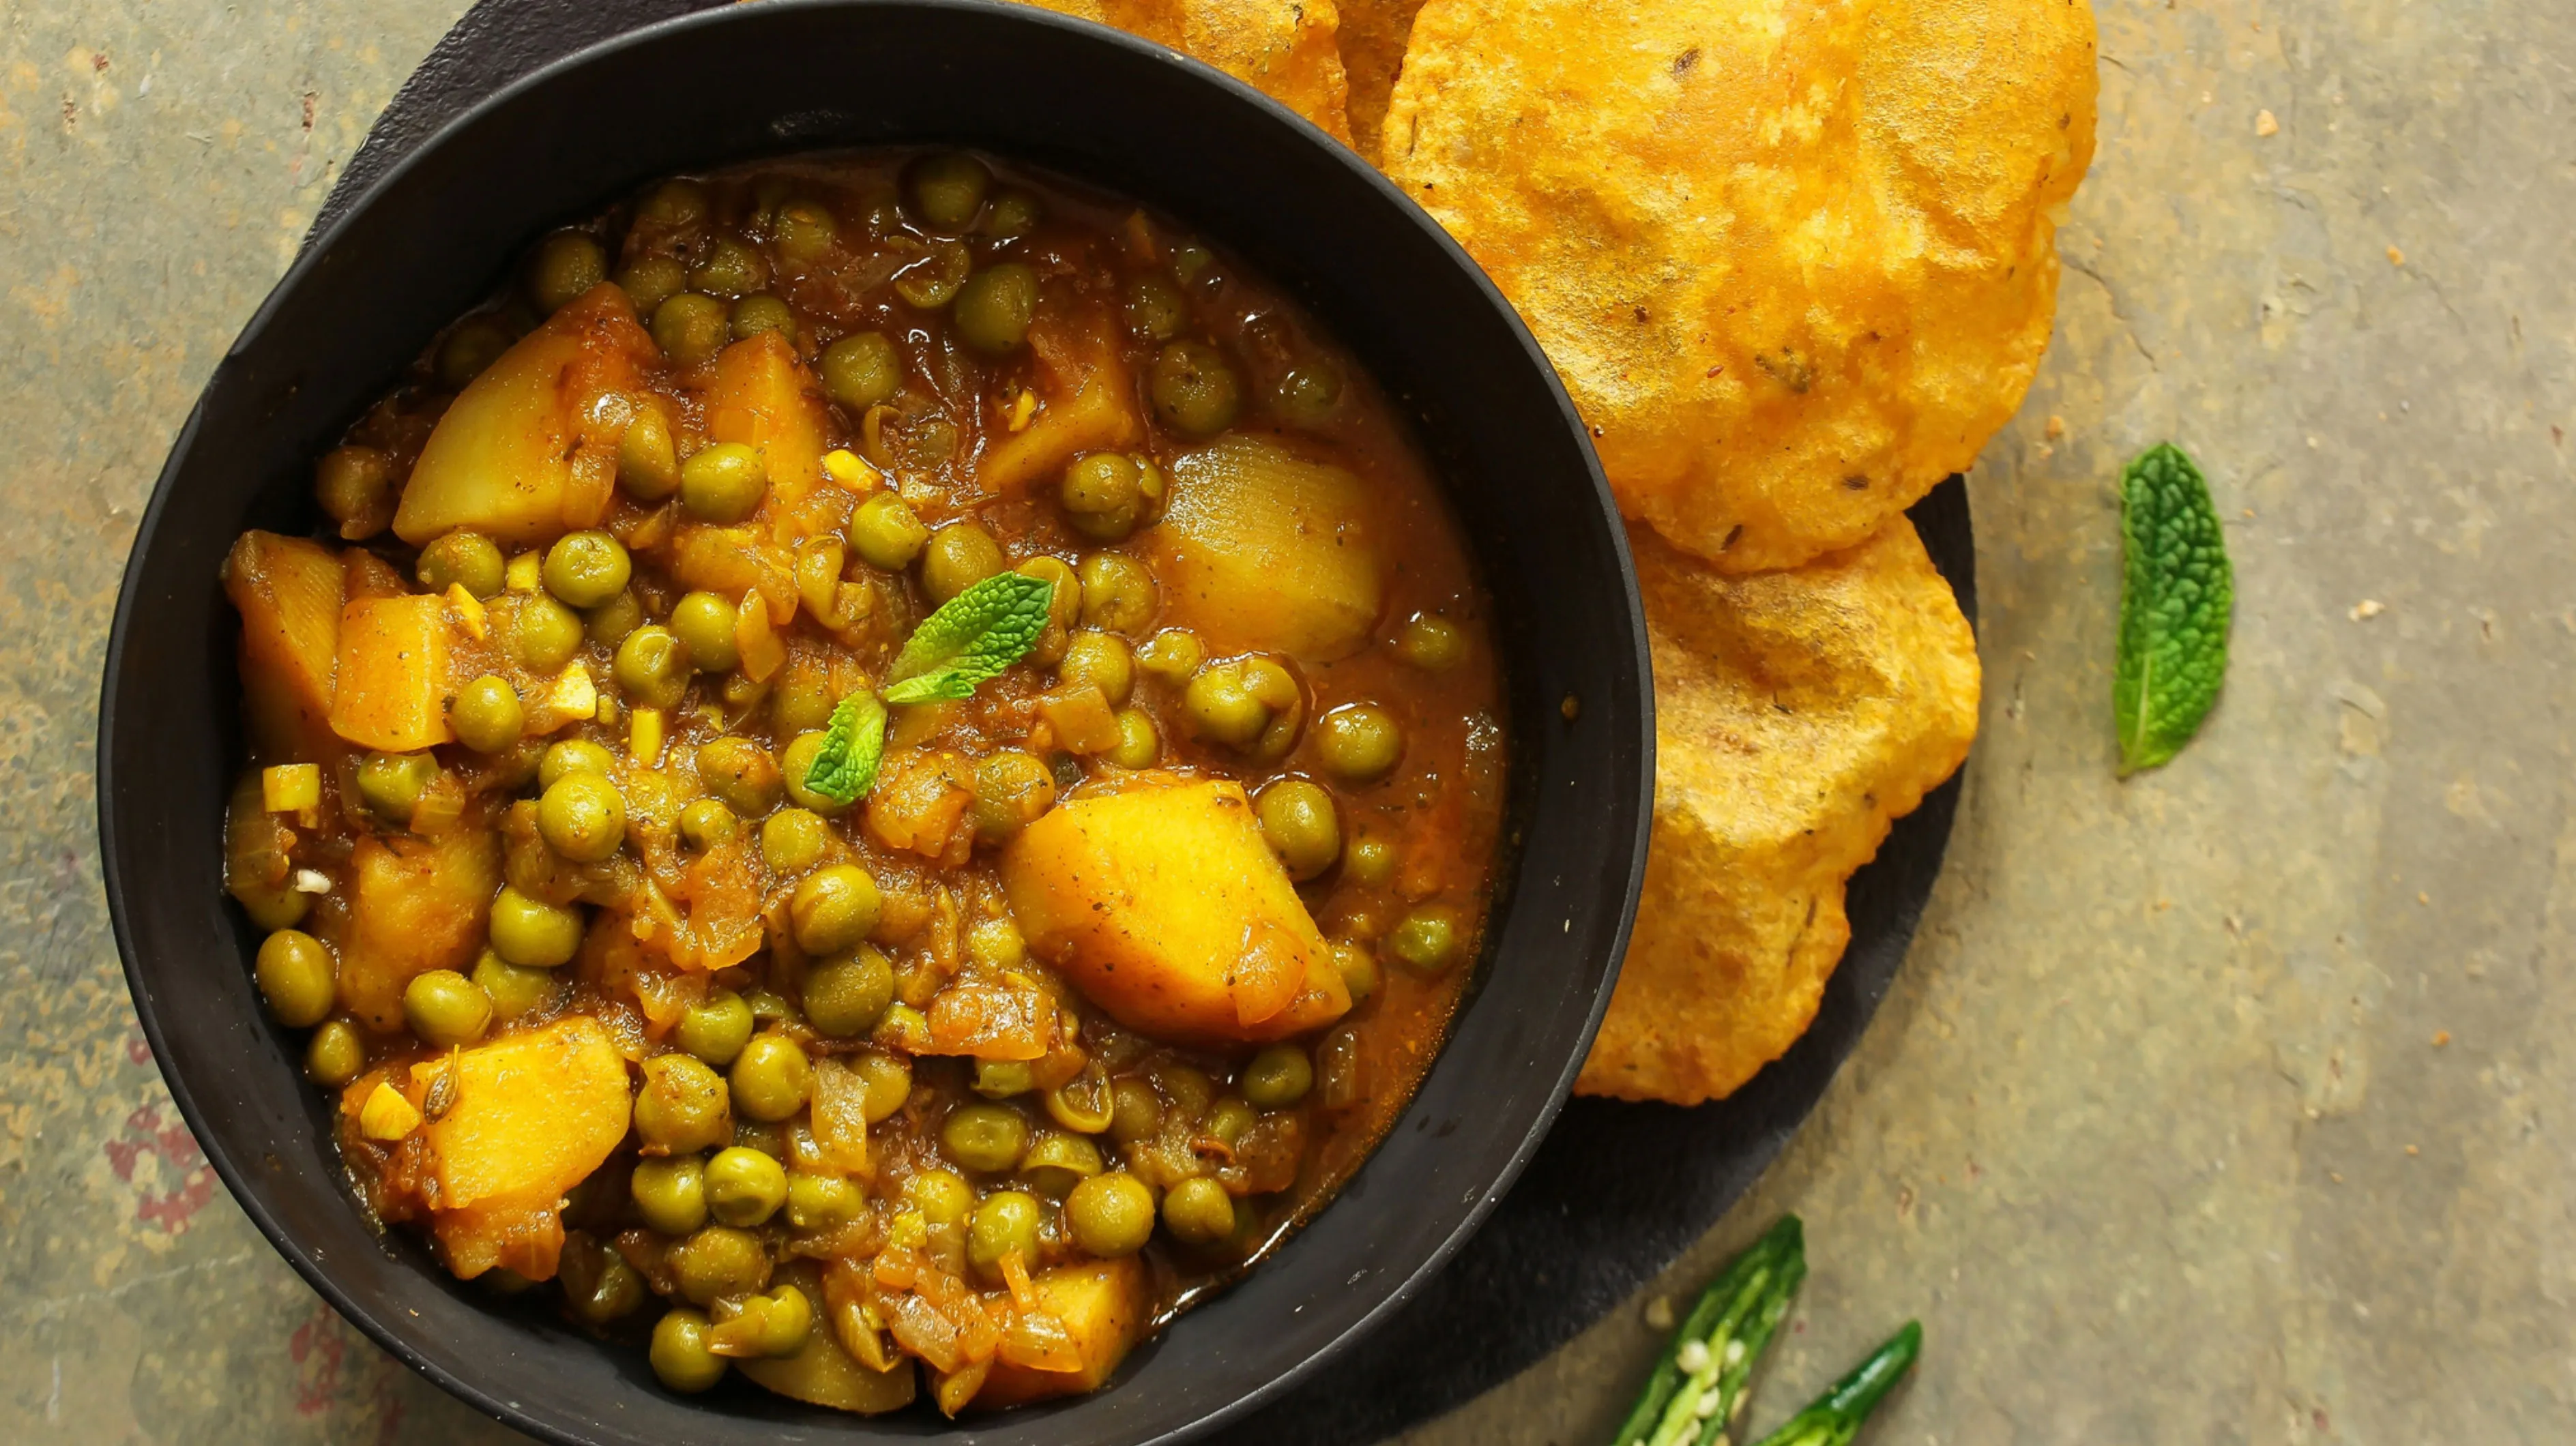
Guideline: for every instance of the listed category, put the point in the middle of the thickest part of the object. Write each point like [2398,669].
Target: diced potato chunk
[414,905]
[1163,905]
[764,398]
[288,593]
[1261,550]
[1090,404]
[1103,1307]
[825,1375]
[528,451]
[533,1114]
[392,682]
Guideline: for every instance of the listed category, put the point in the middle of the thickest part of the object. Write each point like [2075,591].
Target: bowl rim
[340,214]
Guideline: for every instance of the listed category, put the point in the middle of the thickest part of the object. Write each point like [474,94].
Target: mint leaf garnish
[973,636]
[2175,603]
[846,765]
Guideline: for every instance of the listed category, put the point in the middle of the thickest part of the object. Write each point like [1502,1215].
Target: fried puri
[1285,49]
[1797,714]
[1795,259]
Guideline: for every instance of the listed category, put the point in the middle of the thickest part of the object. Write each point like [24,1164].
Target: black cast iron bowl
[440,230]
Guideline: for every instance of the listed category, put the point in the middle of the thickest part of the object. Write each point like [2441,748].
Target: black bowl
[439,230]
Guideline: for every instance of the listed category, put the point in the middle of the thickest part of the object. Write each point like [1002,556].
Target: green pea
[942,1196]
[769,1077]
[1139,745]
[582,817]
[715,1028]
[532,933]
[1002,1079]
[690,328]
[889,1084]
[785,1318]
[1104,495]
[444,1008]
[990,1138]
[612,622]
[272,906]
[739,771]
[514,991]
[1299,823]
[297,977]
[598,1284]
[683,1105]
[1110,1215]
[1198,1212]
[803,231]
[744,1187]
[469,349]
[1155,310]
[648,462]
[355,486]
[761,312]
[1171,655]
[574,755]
[1228,1120]
[670,1193]
[1360,742]
[1014,213]
[1431,642]
[390,784]
[822,1202]
[705,622]
[652,666]
[723,482]
[1219,706]
[933,281]
[1278,1076]
[793,840]
[651,281]
[586,569]
[1193,265]
[861,369]
[707,823]
[796,764]
[993,309]
[673,206]
[846,997]
[947,190]
[681,1356]
[834,908]
[1369,861]
[1358,969]
[1306,394]
[1060,1161]
[1117,593]
[1100,660]
[719,1261]
[1426,940]
[486,714]
[885,531]
[565,265]
[1135,1111]
[1194,388]
[729,268]
[465,557]
[1012,789]
[1005,1224]
[957,557]
[336,1055]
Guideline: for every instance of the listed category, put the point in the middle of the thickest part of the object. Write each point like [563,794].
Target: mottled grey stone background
[2230,1104]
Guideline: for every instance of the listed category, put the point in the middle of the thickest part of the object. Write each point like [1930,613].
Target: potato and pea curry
[883,771]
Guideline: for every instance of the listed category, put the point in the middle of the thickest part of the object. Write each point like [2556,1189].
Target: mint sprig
[2175,603]
[853,743]
[973,636]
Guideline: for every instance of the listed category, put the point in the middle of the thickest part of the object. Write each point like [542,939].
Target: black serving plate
[435,216]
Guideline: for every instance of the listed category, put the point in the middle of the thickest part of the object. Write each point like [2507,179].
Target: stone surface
[2226,1104]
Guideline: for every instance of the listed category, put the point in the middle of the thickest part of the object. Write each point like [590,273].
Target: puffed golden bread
[1796,715]
[1286,49]
[1795,259]
[1373,34]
